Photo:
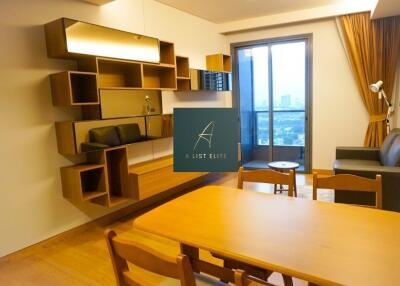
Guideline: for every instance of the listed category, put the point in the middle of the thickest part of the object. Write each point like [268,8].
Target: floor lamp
[377,88]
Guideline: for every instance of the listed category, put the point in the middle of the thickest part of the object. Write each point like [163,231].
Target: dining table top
[321,242]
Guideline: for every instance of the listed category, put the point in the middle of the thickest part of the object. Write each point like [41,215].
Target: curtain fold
[373,48]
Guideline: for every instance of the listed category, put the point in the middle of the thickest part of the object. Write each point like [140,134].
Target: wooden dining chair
[267,176]
[123,251]
[346,182]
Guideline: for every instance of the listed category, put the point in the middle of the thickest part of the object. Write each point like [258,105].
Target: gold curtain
[373,47]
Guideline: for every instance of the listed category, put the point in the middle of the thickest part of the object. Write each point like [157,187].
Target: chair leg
[287,280]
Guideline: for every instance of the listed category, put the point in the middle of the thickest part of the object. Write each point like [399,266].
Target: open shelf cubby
[167,53]
[117,169]
[182,67]
[158,77]
[74,88]
[183,84]
[121,74]
[84,182]
[219,63]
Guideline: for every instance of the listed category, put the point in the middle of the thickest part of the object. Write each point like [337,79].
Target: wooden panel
[166,179]
[128,103]
[144,176]
[55,39]
[65,138]
[194,79]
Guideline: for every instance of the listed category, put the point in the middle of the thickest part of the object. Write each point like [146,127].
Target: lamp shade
[376,87]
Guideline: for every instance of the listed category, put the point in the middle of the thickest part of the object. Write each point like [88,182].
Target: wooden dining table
[320,242]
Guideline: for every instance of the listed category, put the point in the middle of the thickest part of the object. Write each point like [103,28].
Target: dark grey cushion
[393,156]
[105,135]
[129,133]
[387,144]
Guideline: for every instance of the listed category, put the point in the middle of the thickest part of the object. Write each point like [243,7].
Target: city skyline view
[288,92]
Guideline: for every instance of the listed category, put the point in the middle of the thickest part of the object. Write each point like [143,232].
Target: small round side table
[284,167]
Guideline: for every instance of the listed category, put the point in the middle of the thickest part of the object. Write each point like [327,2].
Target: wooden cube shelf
[159,77]
[182,67]
[116,164]
[121,74]
[183,84]
[84,182]
[74,88]
[167,53]
[219,63]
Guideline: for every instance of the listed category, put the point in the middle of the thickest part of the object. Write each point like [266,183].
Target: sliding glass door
[271,87]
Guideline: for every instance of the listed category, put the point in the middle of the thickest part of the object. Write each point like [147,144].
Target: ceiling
[386,8]
[221,11]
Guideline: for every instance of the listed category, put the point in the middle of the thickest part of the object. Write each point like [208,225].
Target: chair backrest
[122,250]
[266,176]
[346,182]
[241,279]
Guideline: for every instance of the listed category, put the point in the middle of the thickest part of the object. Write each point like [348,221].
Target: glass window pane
[262,132]
[260,78]
[288,70]
[289,128]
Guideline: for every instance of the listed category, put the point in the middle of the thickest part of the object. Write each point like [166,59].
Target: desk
[324,243]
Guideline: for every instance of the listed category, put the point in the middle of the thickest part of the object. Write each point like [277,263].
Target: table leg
[193,254]
[275,188]
[295,184]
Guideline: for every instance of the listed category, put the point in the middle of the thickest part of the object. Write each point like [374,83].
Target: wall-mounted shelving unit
[104,87]
[219,63]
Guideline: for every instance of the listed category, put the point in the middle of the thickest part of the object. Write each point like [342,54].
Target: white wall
[32,207]
[339,118]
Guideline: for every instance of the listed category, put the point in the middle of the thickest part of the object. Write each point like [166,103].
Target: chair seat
[349,164]
[201,280]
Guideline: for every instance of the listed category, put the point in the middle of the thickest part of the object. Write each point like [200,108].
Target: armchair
[368,162]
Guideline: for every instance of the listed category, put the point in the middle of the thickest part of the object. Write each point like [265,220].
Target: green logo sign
[206,140]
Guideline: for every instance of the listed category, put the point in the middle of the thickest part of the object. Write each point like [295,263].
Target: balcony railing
[288,128]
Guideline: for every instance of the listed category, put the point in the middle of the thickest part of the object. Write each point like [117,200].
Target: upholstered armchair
[368,162]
